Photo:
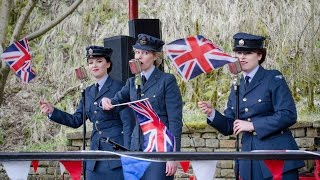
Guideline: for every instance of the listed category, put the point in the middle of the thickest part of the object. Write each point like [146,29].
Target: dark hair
[263,53]
[108,59]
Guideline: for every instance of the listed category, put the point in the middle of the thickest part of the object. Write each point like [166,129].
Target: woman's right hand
[205,107]
[46,107]
[106,103]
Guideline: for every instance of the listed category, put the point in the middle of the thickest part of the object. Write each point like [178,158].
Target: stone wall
[207,139]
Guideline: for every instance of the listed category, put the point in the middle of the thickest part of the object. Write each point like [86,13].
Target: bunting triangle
[17,170]
[74,168]
[275,167]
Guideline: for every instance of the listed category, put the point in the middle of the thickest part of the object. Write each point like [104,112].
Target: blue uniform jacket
[268,104]
[105,123]
[165,98]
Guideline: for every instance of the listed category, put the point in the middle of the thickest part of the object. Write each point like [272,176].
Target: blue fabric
[267,103]
[148,43]
[106,124]
[133,169]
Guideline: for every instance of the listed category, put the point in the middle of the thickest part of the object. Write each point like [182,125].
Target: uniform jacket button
[95,103]
[244,99]
[259,100]
[95,112]
[97,122]
[254,133]
[100,132]
[246,109]
[249,119]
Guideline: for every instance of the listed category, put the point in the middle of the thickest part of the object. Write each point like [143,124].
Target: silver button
[244,99]
[231,107]
[95,112]
[100,132]
[95,103]
[154,96]
[259,100]
[97,122]
[249,119]
[246,109]
[254,133]
[142,94]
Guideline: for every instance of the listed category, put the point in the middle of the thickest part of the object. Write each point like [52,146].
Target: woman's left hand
[241,125]
[171,168]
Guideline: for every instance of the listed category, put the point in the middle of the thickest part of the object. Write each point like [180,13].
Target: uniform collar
[251,74]
[102,81]
[148,73]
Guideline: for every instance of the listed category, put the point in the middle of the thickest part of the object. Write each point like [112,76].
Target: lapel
[152,80]
[254,82]
[105,88]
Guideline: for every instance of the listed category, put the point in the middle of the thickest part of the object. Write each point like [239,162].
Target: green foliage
[51,145]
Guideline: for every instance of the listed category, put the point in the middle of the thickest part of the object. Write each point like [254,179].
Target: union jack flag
[18,58]
[195,55]
[156,136]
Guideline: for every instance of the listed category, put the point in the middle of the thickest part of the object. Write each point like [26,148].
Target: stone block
[212,143]
[209,135]
[205,149]
[305,142]
[227,143]
[225,164]
[299,132]
[227,173]
[313,132]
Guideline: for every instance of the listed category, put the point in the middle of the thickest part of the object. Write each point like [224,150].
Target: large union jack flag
[18,58]
[157,137]
[195,55]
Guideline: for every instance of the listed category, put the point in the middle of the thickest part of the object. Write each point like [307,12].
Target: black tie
[246,82]
[96,89]
[144,79]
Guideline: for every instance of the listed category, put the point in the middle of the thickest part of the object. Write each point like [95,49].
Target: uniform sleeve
[284,110]
[128,120]
[122,96]
[173,102]
[71,120]
[224,123]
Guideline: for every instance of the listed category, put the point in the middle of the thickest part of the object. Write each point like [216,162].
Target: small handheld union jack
[195,55]
[18,58]
[157,137]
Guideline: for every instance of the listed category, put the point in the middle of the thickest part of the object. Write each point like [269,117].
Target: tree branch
[55,21]
[4,16]
[23,19]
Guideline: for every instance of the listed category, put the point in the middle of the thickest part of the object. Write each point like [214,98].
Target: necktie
[96,89]
[246,82]
[144,79]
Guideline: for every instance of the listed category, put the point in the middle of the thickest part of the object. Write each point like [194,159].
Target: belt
[98,126]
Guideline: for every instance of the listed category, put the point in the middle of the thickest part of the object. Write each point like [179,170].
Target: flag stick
[127,103]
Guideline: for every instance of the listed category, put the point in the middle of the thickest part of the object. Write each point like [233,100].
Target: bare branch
[22,19]
[55,21]
[4,16]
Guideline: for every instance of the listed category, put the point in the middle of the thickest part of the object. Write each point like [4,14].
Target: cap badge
[143,41]
[90,52]
[241,42]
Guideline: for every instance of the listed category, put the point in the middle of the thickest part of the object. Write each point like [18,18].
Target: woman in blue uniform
[164,95]
[267,110]
[106,124]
